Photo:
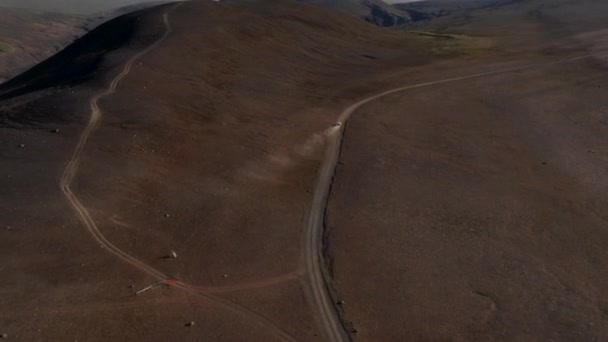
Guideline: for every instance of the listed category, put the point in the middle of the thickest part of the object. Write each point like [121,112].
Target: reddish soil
[209,147]
[469,211]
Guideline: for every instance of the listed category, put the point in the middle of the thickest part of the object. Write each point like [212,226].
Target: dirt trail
[72,169]
[256,284]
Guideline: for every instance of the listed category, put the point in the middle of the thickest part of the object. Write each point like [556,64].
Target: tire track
[256,284]
[86,219]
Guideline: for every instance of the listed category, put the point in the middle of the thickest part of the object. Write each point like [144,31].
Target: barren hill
[209,146]
[160,176]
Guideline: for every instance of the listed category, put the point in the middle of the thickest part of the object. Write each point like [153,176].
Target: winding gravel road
[317,280]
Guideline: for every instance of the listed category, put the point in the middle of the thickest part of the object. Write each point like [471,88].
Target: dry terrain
[475,210]
[209,147]
[467,210]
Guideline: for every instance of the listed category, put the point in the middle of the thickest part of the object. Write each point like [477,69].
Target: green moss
[455,44]
[432,34]
[4,47]
[463,45]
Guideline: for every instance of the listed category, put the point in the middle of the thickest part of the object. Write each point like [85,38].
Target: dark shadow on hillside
[76,63]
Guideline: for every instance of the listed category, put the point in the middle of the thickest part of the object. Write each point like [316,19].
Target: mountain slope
[209,146]
[465,208]
[27,37]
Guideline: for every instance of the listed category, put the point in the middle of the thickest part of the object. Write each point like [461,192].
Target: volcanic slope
[211,120]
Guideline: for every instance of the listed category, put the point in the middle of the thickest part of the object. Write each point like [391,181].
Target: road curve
[71,170]
[316,282]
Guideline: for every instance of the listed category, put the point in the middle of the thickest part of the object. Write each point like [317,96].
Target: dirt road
[316,280]
[313,247]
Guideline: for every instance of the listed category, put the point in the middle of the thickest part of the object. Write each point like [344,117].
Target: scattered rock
[340,302]
[225,276]
[543,162]
[189,324]
[56,130]
[167,215]
[173,254]
[591,151]
[5,335]
[8,228]
[21,145]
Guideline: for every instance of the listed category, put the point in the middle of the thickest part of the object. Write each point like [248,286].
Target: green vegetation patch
[463,45]
[432,34]
[4,47]
[456,44]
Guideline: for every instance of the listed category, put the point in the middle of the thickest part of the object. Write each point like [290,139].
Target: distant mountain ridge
[374,11]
